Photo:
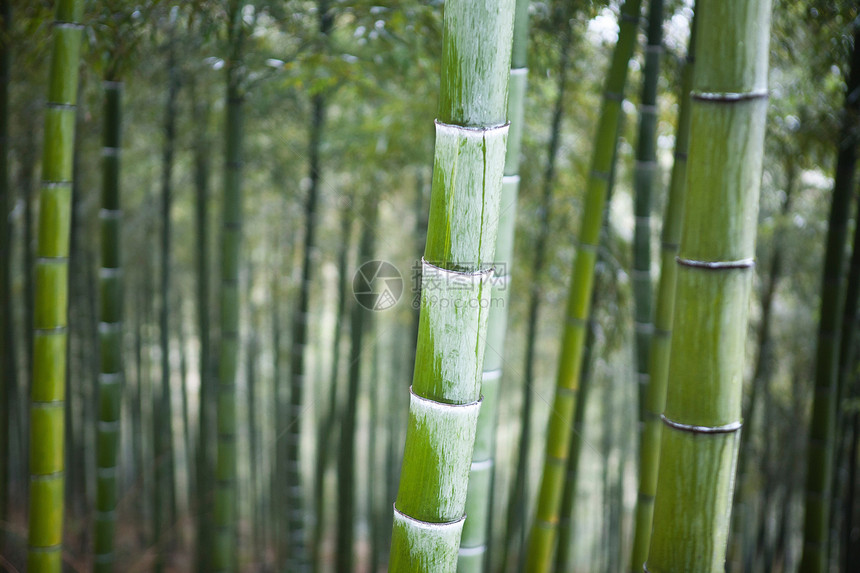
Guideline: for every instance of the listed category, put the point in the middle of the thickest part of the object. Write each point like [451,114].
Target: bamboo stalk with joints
[645,173]
[544,528]
[658,355]
[479,498]
[110,334]
[47,409]
[702,418]
[471,134]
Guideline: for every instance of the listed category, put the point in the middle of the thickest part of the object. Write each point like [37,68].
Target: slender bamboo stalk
[658,366]
[165,491]
[645,173]
[816,526]
[204,463]
[479,499]
[471,133]
[110,331]
[702,417]
[224,557]
[359,323]
[543,532]
[297,558]
[7,370]
[47,406]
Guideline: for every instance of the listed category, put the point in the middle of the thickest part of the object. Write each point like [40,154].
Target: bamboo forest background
[268,149]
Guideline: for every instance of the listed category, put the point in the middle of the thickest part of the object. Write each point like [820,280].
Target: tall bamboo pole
[645,174]
[7,371]
[47,407]
[110,331]
[816,525]
[297,558]
[543,532]
[224,557]
[471,133]
[658,365]
[479,499]
[702,418]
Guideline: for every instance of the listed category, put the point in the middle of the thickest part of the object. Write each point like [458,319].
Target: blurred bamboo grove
[261,314]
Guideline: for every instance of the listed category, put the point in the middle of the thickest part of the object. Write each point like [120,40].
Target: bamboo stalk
[224,555]
[816,526]
[543,532]
[479,499]
[702,418]
[658,366]
[471,133]
[110,332]
[47,412]
[8,381]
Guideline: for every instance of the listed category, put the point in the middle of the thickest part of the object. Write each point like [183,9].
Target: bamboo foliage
[47,410]
[110,333]
[543,532]
[658,365]
[479,499]
[702,417]
[816,525]
[471,133]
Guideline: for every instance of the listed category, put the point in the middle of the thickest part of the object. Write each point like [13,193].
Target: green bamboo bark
[110,332]
[543,532]
[816,526]
[645,174]
[47,409]
[479,498]
[471,134]
[8,381]
[661,340]
[224,554]
[702,418]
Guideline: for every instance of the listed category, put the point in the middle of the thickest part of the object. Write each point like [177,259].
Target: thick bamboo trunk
[110,332]
[479,500]
[658,367]
[224,552]
[47,408]
[702,417]
[471,133]
[816,526]
[543,532]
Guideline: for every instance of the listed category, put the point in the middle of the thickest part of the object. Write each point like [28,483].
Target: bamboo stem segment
[110,334]
[47,407]
[471,136]
[699,441]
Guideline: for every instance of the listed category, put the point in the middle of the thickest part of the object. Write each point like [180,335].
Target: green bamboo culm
[702,418]
[7,367]
[645,173]
[544,528]
[816,524]
[224,555]
[47,409]
[110,333]
[471,134]
[661,340]
[479,498]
